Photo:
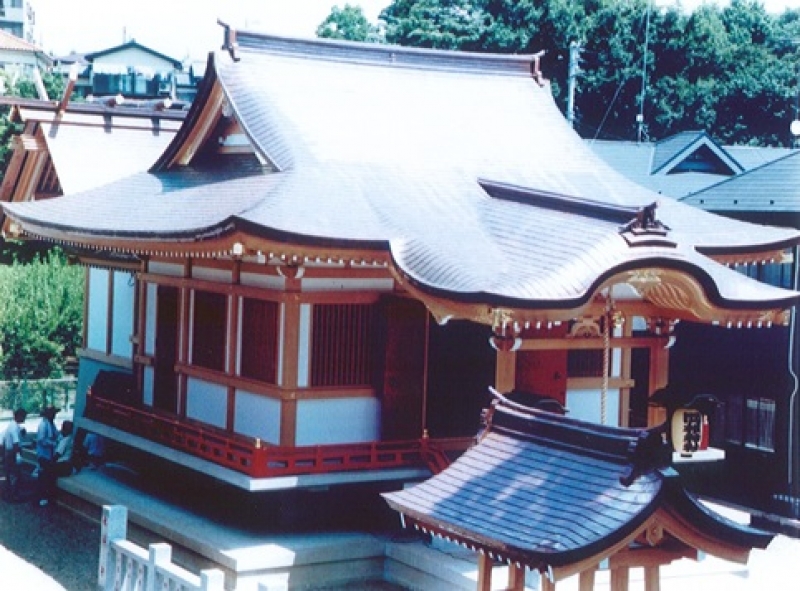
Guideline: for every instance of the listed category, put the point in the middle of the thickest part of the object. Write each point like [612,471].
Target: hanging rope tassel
[606,366]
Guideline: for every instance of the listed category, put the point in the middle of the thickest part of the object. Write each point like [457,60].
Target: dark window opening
[585,363]
[342,345]
[259,340]
[209,330]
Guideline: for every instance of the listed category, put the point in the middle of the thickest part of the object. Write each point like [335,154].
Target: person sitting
[64,465]
[94,450]
[12,446]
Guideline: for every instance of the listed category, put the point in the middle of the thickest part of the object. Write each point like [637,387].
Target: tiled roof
[773,187]
[11,42]
[388,147]
[542,490]
[117,152]
[132,45]
[655,165]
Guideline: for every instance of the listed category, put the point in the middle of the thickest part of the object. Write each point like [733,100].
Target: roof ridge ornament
[229,42]
[645,229]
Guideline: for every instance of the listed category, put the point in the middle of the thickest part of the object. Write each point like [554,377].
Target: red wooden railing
[259,460]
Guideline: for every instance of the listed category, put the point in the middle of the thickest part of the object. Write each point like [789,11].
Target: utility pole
[640,117]
[572,77]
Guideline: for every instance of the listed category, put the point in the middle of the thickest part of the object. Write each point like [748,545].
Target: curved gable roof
[392,148]
[543,490]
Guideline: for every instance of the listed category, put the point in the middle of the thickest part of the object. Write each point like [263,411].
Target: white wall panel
[206,402]
[147,386]
[304,346]
[212,274]
[122,328]
[257,416]
[342,284]
[585,405]
[339,420]
[97,329]
[266,281]
[150,321]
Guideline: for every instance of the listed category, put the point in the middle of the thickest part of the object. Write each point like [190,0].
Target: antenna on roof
[229,41]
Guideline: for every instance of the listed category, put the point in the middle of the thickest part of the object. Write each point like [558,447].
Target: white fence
[124,566]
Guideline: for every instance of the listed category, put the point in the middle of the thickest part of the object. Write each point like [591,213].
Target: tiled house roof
[773,187]
[684,163]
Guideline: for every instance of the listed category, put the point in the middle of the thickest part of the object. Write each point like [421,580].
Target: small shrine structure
[542,492]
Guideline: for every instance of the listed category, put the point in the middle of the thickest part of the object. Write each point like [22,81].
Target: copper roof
[370,146]
[542,490]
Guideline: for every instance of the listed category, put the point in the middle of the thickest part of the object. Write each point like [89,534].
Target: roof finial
[537,73]
[229,41]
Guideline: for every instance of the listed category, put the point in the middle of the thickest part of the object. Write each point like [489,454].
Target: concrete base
[280,561]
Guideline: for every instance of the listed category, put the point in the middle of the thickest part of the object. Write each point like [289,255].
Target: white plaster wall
[123,313]
[257,416]
[97,328]
[150,321]
[206,402]
[266,281]
[147,386]
[162,268]
[341,284]
[212,274]
[340,420]
[304,346]
[585,405]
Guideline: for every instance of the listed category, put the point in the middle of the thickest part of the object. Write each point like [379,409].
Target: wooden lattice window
[342,344]
[209,330]
[585,363]
[259,344]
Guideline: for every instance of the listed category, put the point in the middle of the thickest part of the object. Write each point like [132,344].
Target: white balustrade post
[113,527]
[159,555]
[212,579]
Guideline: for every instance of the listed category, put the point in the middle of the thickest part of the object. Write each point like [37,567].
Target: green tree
[349,23]
[41,314]
[731,71]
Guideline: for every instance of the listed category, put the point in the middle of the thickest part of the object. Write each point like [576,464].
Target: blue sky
[181,28]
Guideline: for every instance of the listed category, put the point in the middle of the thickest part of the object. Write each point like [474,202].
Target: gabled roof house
[345,245]
[684,163]
[21,58]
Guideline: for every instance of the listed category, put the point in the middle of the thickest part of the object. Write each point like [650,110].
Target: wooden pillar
[485,565]
[505,372]
[586,582]
[547,584]
[625,374]
[619,578]
[233,339]
[652,578]
[659,376]
[289,363]
[516,577]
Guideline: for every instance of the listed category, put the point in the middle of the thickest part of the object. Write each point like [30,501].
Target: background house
[20,58]
[17,17]
[131,70]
